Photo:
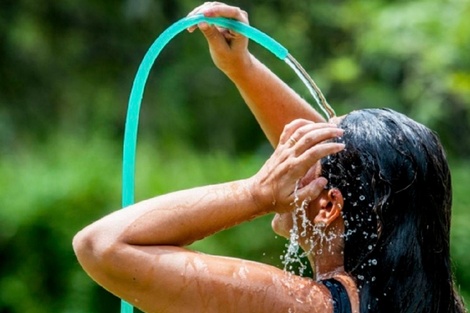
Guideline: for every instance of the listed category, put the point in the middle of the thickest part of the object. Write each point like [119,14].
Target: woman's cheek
[282,224]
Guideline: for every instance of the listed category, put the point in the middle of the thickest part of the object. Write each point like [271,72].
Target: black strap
[339,296]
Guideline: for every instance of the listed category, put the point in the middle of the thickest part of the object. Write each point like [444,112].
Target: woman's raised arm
[273,103]
[137,253]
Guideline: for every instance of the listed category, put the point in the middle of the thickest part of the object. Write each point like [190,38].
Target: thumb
[213,36]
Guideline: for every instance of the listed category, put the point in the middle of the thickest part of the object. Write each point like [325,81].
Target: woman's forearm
[273,102]
[140,247]
[179,218]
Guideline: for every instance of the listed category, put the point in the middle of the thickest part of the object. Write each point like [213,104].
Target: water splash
[303,230]
[293,257]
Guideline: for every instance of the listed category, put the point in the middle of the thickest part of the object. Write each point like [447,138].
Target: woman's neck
[327,266]
[326,256]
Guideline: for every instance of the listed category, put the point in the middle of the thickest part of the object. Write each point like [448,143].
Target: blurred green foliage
[66,69]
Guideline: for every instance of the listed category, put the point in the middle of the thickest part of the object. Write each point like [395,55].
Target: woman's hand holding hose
[229,50]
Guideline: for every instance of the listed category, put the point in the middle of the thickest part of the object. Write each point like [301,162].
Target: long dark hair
[395,180]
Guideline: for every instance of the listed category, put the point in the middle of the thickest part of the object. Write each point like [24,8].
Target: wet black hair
[396,185]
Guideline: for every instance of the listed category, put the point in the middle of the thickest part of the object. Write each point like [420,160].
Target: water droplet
[292,258]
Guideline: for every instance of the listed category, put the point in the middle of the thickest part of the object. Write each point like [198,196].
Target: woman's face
[282,223]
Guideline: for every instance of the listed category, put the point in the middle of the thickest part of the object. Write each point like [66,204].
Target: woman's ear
[331,206]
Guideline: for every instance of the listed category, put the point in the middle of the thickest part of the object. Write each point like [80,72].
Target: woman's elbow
[93,249]
[84,247]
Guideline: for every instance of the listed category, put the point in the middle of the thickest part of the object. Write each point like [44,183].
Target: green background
[66,69]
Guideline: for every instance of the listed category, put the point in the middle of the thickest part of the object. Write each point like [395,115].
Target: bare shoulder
[172,279]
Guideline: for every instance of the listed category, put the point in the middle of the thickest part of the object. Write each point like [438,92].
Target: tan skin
[139,253]
[272,102]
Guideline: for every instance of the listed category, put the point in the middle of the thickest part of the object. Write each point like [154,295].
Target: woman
[397,210]
[374,182]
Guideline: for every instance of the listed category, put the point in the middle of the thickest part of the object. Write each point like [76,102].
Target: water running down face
[316,226]
[304,225]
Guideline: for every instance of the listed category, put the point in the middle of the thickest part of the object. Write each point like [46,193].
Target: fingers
[220,9]
[312,190]
[304,143]
[301,135]
[298,126]
[291,174]
[314,154]
[315,137]
[217,9]
[213,36]
[229,50]
[290,128]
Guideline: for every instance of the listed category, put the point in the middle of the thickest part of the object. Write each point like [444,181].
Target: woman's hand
[229,50]
[292,172]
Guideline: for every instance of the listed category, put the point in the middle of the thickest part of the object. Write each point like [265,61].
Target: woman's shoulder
[248,286]
[350,288]
[266,288]
[300,294]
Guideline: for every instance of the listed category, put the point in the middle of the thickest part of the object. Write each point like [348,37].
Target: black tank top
[339,296]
